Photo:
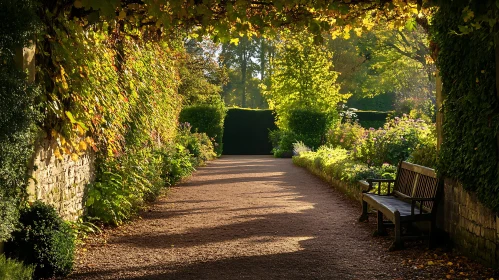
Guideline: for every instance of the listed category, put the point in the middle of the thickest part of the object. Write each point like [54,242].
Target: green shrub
[344,135]
[43,240]
[208,119]
[9,215]
[177,164]
[199,145]
[15,270]
[282,141]
[120,186]
[309,126]
[338,163]
[425,153]
[394,142]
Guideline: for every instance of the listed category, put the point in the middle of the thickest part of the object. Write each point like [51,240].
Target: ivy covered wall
[469,152]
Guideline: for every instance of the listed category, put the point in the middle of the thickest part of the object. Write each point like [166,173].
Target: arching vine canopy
[221,18]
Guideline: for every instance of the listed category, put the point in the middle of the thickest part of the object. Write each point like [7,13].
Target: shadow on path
[245,217]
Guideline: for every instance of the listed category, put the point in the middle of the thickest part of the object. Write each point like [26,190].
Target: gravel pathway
[251,217]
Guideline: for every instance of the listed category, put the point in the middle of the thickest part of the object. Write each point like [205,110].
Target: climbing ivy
[469,151]
[18,112]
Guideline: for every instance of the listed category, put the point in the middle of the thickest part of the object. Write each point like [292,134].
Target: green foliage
[385,60]
[469,152]
[425,153]
[177,164]
[12,269]
[43,240]
[222,19]
[302,78]
[392,143]
[282,143]
[125,182]
[18,110]
[245,61]
[308,125]
[206,118]
[9,215]
[338,163]
[201,76]
[98,87]
[198,145]
[344,135]
[247,131]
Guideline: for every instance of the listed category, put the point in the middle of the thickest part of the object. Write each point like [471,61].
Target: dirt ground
[256,217]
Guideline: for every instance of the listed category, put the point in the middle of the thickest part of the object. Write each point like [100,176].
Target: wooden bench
[413,198]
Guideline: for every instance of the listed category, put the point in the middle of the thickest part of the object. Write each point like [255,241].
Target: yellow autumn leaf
[82,146]
[74,157]
[57,153]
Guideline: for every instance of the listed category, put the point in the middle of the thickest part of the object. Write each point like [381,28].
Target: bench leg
[398,244]
[381,231]
[431,239]
[364,217]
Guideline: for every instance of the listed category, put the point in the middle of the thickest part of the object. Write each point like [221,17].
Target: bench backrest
[416,181]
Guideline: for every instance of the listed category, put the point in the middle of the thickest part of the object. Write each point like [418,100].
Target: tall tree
[303,76]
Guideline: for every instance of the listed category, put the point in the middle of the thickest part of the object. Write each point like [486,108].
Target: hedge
[247,132]
[373,119]
[208,119]
[309,126]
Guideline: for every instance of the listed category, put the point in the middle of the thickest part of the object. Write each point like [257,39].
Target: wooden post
[496,43]
[440,114]
[25,60]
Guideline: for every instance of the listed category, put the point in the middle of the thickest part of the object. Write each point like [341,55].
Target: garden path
[254,217]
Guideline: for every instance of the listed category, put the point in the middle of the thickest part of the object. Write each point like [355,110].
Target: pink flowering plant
[396,141]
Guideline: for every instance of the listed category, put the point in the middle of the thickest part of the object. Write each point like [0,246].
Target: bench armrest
[369,184]
[380,180]
[420,200]
[365,186]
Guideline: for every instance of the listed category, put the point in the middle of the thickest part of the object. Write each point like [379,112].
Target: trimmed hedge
[373,119]
[380,102]
[309,126]
[208,119]
[247,132]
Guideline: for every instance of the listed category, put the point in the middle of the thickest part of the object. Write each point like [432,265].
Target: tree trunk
[262,68]
[244,61]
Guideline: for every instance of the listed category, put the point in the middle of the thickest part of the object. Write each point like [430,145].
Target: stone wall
[472,227]
[61,183]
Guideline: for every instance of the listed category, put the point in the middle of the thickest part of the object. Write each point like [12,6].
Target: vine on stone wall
[469,150]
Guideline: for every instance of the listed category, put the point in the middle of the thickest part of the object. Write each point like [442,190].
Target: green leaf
[70,117]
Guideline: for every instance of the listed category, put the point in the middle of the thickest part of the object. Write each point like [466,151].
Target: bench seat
[388,205]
